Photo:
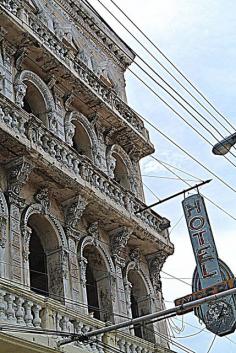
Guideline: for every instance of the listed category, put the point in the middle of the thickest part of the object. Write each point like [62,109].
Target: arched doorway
[81,141]
[98,285]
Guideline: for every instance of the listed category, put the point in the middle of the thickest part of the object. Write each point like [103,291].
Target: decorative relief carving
[93,230]
[135,255]
[3,233]
[26,234]
[156,263]
[83,266]
[119,239]
[18,174]
[20,92]
[73,213]
[42,197]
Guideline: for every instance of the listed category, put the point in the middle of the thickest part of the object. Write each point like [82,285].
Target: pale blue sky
[199,36]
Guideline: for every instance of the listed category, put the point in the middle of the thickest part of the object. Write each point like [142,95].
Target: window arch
[80,134]
[97,276]
[81,141]
[34,96]
[119,166]
[139,299]
[44,244]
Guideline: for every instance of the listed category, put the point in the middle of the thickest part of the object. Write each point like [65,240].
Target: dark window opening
[81,142]
[38,266]
[26,106]
[135,313]
[92,293]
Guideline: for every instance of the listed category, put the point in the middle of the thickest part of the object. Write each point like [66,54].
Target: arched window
[34,103]
[98,285]
[140,305]
[121,172]
[38,265]
[81,141]
[45,258]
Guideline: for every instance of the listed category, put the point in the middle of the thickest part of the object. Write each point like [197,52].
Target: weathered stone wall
[69,168]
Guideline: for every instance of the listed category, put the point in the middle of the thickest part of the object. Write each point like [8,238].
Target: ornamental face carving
[18,173]
[119,239]
[73,213]
[93,230]
[156,263]
[135,255]
[42,197]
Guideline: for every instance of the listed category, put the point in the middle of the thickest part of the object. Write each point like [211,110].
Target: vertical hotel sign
[219,316]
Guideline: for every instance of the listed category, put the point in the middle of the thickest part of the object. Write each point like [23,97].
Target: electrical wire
[174,66]
[184,181]
[163,80]
[179,147]
[181,116]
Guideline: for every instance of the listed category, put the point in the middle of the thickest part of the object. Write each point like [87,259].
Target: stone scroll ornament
[218,315]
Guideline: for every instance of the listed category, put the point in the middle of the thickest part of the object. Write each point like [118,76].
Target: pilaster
[18,172]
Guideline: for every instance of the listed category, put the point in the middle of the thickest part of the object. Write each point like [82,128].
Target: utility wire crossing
[160,314]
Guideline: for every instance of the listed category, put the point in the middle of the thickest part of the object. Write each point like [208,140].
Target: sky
[199,37]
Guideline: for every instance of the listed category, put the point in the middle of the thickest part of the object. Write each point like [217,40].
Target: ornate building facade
[74,255]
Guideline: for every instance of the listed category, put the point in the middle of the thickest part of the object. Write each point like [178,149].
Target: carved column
[18,172]
[118,240]
[3,240]
[26,234]
[73,212]
[155,264]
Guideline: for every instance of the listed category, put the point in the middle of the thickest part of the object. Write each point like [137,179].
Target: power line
[170,140]
[184,181]
[160,77]
[181,116]
[174,66]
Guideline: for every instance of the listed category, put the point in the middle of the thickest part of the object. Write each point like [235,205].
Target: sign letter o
[197,222]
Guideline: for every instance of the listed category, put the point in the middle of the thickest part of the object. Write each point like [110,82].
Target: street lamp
[223,147]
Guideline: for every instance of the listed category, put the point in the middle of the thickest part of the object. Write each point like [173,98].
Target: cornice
[122,54]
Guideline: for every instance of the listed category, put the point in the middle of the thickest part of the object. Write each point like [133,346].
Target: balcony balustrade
[26,309]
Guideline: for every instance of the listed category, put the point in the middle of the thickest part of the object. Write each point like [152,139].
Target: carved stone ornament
[156,263]
[18,174]
[20,92]
[73,212]
[68,99]
[135,255]
[165,224]
[69,132]
[42,197]
[83,266]
[111,165]
[93,230]
[119,239]
[3,234]
[20,55]
[26,234]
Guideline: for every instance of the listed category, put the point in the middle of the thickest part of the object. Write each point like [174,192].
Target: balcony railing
[67,54]
[27,309]
[17,122]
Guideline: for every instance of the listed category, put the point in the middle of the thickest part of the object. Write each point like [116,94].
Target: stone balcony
[74,73]
[22,308]
[78,172]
